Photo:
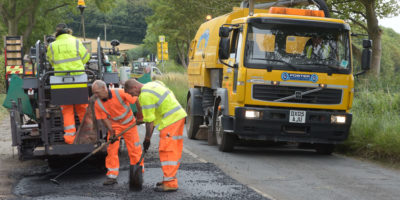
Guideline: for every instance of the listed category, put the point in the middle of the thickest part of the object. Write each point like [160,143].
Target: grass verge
[375,130]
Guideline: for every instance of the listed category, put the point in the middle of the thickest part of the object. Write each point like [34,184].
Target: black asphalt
[197,180]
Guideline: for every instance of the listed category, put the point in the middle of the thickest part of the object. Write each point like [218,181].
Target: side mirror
[224,31]
[224,47]
[366,55]
[366,59]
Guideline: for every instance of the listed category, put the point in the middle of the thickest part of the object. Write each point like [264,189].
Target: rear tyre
[226,141]
[192,122]
[324,149]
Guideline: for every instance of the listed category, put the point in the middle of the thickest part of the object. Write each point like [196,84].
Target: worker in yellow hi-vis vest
[160,107]
[67,53]
[316,48]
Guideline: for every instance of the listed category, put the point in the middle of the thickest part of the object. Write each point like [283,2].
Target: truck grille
[272,93]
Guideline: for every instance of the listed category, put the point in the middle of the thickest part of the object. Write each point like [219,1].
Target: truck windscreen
[297,47]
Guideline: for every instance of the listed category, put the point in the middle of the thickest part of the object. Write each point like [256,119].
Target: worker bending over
[113,108]
[67,53]
[160,107]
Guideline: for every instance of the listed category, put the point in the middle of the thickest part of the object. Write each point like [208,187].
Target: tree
[20,16]
[125,22]
[179,20]
[364,14]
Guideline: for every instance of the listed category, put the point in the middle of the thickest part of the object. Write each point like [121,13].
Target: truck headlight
[252,114]
[338,119]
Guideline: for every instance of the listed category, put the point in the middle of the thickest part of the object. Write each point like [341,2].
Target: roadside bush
[375,131]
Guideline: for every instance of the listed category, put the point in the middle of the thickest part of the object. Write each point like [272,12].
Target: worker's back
[167,108]
[67,53]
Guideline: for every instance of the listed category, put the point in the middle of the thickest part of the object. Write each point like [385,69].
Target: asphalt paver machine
[36,119]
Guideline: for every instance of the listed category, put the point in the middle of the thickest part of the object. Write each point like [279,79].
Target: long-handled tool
[136,175]
[54,180]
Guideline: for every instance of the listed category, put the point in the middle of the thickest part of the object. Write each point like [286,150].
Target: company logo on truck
[299,77]
[204,37]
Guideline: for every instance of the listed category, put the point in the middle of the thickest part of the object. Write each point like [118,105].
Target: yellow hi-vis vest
[67,53]
[324,51]
[159,105]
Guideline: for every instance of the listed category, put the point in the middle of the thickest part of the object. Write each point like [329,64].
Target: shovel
[136,175]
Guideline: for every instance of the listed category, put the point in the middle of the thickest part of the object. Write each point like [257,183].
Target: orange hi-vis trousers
[69,120]
[133,146]
[170,150]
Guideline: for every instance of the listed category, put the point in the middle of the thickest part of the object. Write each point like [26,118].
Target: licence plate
[297,116]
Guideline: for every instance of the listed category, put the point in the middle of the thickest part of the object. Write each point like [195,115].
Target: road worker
[113,108]
[317,48]
[160,107]
[65,54]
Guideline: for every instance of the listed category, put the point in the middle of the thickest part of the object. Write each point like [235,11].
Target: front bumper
[274,125]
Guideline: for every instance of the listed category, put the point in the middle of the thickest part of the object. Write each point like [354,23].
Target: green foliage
[138,52]
[179,20]
[390,62]
[2,76]
[3,111]
[125,21]
[36,18]
[354,11]
[171,66]
[375,131]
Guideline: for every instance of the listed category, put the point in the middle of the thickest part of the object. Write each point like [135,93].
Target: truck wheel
[226,141]
[192,122]
[324,149]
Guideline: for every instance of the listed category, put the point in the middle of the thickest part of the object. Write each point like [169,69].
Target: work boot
[110,181]
[164,188]
[159,183]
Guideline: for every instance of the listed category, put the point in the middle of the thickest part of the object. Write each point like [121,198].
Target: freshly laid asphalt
[197,180]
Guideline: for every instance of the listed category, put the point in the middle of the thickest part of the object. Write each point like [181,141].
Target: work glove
[113,138]
[146,144]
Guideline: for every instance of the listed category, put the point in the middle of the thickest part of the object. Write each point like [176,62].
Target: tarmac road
[286,173]
[249,172]
[197,179]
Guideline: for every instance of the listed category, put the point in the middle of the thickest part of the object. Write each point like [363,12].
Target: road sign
[161,38]
[162,49]
[81,3]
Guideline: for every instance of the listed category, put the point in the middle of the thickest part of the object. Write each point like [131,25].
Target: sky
[393,23]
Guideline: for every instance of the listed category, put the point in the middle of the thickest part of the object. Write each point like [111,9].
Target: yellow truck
[276,74]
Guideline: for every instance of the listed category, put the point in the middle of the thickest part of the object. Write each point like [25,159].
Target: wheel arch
[222,94]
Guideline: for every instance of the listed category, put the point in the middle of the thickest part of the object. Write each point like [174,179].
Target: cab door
[230,75]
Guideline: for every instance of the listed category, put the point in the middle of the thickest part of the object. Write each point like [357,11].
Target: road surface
[286,173]
[30,180]
[283,173]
